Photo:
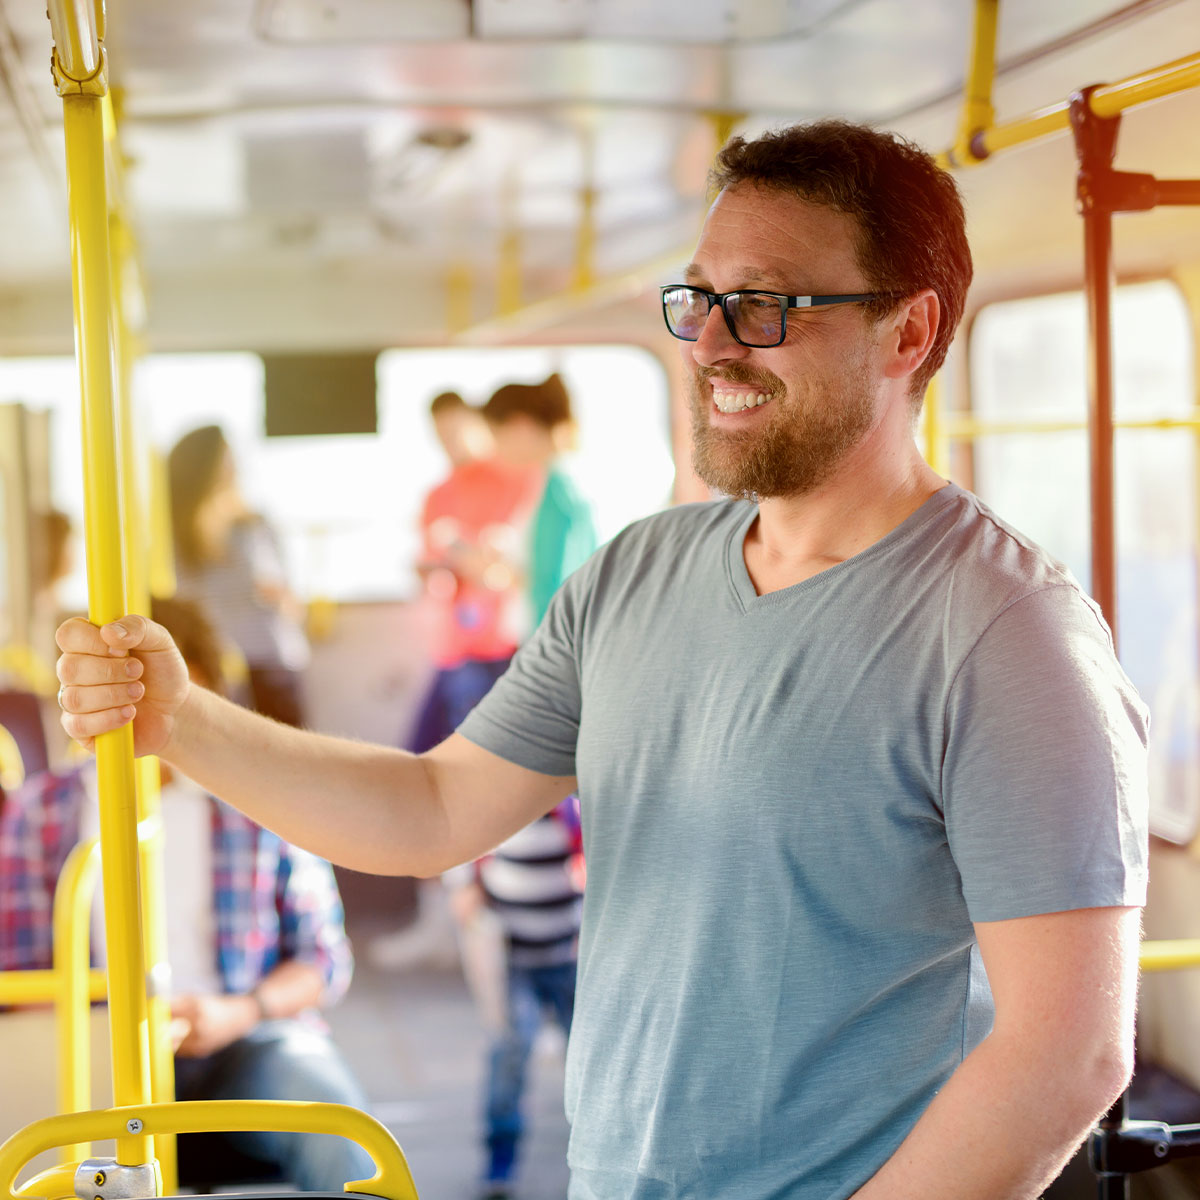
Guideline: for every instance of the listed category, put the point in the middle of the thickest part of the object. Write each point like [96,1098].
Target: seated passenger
[257,947]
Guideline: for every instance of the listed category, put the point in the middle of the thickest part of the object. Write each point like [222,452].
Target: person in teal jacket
[532,424]
[535,895]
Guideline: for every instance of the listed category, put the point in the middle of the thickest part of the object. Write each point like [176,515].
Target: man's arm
[368,807]
[1060,1052]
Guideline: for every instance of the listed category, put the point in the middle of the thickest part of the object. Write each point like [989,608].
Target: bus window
[52,385]
[1029,385]
[347,505]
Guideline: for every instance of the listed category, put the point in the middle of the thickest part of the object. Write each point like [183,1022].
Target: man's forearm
[367,807]
[1001,1129]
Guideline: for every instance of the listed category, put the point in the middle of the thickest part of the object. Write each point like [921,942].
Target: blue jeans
[530,991]
[454,692]
[281,1060]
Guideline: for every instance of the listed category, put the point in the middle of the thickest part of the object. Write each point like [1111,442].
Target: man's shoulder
[991,565]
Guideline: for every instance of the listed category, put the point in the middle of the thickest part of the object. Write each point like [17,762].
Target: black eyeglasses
[755,319]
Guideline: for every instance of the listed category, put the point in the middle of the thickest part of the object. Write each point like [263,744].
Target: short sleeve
[1044,775]
[531,715]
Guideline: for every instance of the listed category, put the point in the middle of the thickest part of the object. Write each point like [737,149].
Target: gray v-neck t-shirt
[795,806]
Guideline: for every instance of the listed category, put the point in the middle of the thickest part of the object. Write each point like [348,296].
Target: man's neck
[797,537]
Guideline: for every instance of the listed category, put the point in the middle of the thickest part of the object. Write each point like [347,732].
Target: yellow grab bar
[392,1178]
[1170,955]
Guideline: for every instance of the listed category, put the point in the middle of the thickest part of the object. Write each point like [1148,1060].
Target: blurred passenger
[229,560]
[53,547]
[533,425]
[532,881]
[469,524]
[469,529]
[257,947]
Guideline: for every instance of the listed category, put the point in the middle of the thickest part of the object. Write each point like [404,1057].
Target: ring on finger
[62,687]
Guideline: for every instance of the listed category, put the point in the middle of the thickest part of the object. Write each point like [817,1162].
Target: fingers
[97,698]
[88,670]
[116,639]
[85,727]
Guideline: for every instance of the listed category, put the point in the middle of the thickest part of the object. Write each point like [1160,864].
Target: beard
[796,450]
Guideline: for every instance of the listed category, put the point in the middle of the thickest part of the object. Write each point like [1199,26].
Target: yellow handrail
[19,988]
[392,1178]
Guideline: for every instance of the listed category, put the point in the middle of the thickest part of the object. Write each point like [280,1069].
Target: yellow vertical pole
[508,270]
[134,507]
[162,553]
[583,276]
[92,292]
[937,446]
[459,307]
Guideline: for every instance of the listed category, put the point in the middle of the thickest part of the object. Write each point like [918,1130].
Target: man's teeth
[730,402]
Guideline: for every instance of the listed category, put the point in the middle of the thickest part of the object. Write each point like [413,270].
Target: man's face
[820,385]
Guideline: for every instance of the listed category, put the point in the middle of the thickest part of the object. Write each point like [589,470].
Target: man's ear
[911,331]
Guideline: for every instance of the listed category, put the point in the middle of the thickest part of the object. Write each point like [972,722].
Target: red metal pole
[1095,147]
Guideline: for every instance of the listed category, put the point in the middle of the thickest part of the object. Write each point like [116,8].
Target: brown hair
[193,469]
[52,534]
[194,634]
[446,402]
[909,212]
[548,403]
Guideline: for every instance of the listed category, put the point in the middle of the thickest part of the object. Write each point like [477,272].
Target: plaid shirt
[272,902]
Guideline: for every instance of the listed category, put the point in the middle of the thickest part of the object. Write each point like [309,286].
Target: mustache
[740,373]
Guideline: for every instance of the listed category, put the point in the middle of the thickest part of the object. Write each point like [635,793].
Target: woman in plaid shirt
[271,949]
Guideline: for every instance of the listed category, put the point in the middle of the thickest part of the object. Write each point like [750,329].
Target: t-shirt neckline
[747,597]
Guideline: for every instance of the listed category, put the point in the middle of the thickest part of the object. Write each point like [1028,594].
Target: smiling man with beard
[863,786]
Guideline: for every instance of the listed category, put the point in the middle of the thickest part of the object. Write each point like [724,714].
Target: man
[257,947]
[863,787]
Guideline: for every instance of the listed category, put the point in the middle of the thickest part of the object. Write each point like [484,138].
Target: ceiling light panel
[367,21]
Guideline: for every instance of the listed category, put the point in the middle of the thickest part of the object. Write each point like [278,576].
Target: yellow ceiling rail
[521,319]
[562,305]
[1106,101]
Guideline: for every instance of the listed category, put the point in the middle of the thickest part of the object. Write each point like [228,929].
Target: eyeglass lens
[756,317]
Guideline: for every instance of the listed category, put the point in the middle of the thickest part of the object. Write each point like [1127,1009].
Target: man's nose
[716,343]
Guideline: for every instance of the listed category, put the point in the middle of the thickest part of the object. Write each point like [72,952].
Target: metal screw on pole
[133,1125]
[99,1179]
